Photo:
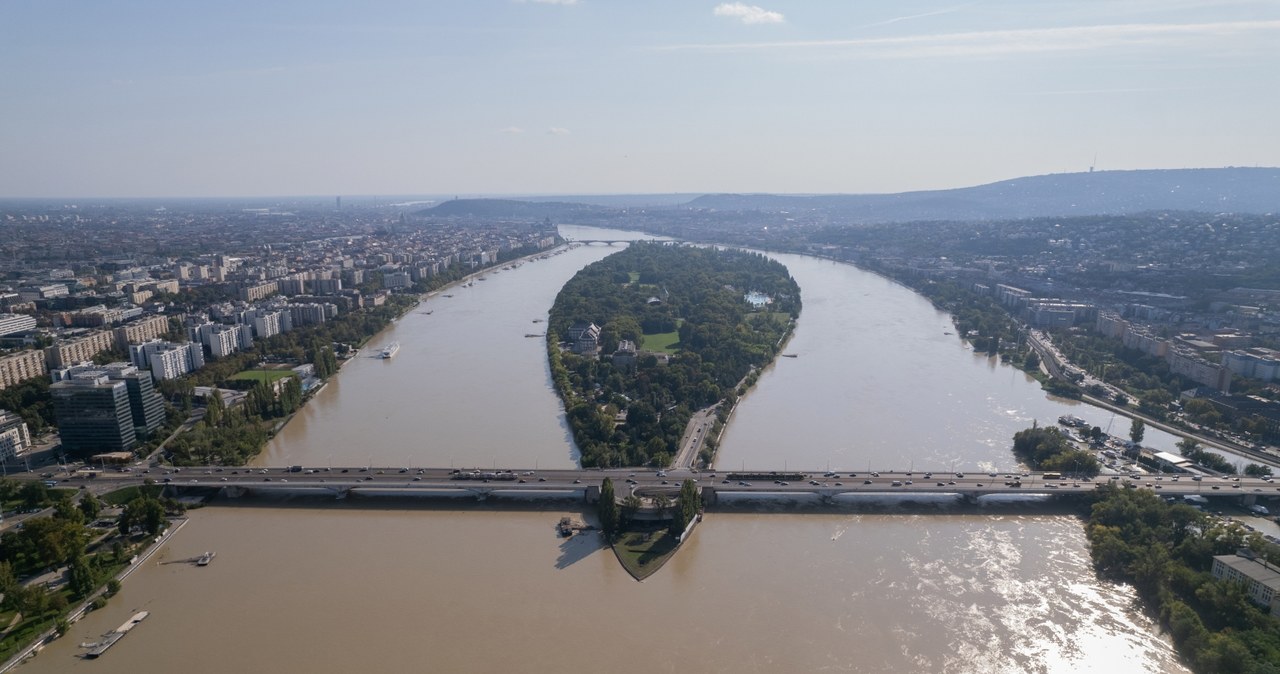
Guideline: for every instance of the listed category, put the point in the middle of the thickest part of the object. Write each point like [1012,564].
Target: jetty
[110,638]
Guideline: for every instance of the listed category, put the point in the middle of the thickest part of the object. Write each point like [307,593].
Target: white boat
[203,560]
[390,350]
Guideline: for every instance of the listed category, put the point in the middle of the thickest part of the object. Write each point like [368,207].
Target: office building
[93,415]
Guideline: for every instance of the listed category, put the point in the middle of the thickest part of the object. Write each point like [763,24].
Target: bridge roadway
[342,481]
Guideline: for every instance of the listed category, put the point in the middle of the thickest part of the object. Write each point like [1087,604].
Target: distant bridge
[607,242]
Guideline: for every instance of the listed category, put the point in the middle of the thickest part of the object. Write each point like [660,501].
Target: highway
[826,483]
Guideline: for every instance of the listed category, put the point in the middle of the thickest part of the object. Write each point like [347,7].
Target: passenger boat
[390,350]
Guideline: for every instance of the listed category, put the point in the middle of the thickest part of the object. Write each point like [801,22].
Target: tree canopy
[634,413]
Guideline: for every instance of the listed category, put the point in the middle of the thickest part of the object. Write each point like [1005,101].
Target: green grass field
[268,376]
[666,342]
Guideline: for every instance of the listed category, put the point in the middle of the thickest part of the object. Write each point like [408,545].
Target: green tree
[90,506]
[34,494]
[144,511]
[64,509]
[608,509]
[215,407]
[630,506]
[1257,470]
[80,577]
[1137,430]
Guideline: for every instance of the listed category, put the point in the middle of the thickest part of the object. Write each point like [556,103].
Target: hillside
[1235,190]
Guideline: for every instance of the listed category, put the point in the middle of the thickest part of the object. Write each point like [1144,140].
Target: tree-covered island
[643,338]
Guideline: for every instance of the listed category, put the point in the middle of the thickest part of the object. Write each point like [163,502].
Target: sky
[485,97]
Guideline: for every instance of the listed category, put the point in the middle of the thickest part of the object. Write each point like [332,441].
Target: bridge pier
[709,496]
[969,498]
[234,492]
[591,495]
[1248,500]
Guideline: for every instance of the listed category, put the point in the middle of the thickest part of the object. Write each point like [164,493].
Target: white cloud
[511,129]
[748,13]
[1012,42]
[558,131]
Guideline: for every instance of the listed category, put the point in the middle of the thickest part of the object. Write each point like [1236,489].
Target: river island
[649,350]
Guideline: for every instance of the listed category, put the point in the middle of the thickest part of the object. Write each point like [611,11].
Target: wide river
[764,587]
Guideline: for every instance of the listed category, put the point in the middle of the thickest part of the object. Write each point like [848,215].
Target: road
[649,482]
[695,433]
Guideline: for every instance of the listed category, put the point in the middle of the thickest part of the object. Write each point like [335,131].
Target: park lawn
[267,376]
[666,342]
[777,317]
[123,496]
[644,552]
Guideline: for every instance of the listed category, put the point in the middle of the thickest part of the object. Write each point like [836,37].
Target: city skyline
[512,97]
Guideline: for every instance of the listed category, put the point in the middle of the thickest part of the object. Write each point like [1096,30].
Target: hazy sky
[299,97]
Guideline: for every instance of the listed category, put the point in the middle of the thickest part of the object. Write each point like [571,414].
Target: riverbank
[85,606]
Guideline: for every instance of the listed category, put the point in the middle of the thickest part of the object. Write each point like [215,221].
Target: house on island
[584,338]
[625,356]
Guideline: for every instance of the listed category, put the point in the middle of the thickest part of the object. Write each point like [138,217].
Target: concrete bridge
[585,483]
[607,242]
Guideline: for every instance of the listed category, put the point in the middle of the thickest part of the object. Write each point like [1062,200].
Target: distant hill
[1235,190]
[510,208]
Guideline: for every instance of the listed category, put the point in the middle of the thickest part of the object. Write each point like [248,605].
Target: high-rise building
[93,415]
[146,405]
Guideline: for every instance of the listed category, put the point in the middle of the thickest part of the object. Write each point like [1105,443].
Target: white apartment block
[12,324]
[14,436]
[167,360]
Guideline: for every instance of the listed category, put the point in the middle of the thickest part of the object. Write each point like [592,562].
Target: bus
[1052,476]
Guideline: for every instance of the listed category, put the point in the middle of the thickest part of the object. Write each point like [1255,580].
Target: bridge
[585,483]
[608,242]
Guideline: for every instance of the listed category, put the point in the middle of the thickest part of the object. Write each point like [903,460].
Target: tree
[1137,430]
[608,509]
[81,577]
[143,511]
[34,494]
[1257,470]
[214,408]
[687,505]
[90,506]
[630,506]
[66,510]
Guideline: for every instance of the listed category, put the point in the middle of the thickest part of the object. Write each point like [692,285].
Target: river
[761,587]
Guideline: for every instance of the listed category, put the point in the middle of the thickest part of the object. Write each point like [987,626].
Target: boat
[1071,420]
[390,350]
[110,638]
[203,560]
[535,334]
[790,355]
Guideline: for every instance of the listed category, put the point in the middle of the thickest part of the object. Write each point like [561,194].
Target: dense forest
[683,302]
